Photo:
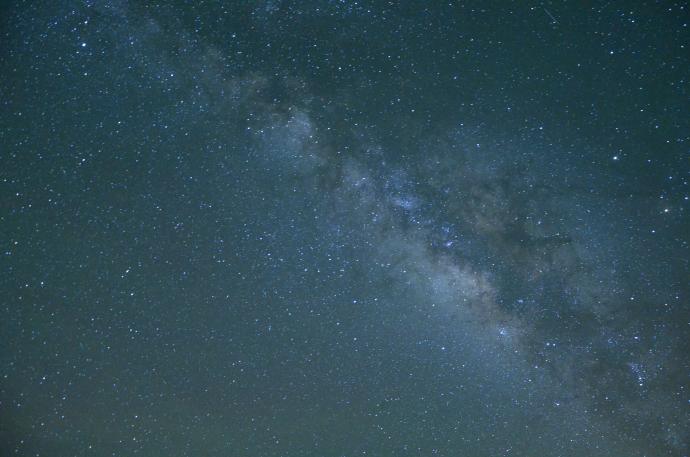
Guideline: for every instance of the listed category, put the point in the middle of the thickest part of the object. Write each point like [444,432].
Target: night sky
[344,228]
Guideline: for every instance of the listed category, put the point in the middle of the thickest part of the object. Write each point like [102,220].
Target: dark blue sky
[342,228]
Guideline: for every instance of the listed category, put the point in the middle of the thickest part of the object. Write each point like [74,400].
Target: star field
[338,228]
